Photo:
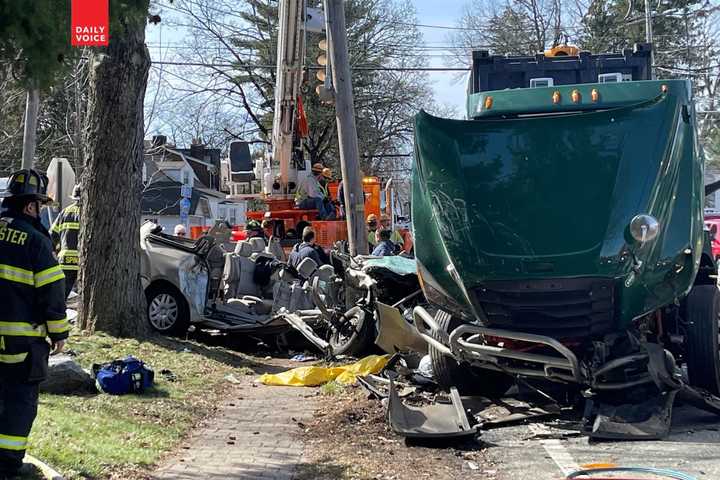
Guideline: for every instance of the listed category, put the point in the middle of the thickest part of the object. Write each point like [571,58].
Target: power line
[315,67]
[470,29]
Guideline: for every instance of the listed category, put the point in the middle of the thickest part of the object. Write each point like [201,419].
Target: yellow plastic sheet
[313,376]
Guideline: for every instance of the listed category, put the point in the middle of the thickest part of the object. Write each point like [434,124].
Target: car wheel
[167,311]
[702,308]
[356,337]
[469,380]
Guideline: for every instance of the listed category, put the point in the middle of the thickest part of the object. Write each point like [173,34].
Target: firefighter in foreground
[32,289]
[65,232]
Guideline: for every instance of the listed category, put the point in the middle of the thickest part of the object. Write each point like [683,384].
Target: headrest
[258,244]
[307,267]
[244,249]
[325,273]
[265,254]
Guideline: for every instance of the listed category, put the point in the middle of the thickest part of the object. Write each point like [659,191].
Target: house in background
[168,171]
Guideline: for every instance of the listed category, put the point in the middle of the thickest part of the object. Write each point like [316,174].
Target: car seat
[238,272]
[275,249]
[216,262]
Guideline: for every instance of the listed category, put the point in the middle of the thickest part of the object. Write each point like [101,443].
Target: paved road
[543,452]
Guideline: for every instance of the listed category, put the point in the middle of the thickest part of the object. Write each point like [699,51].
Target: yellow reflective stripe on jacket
[13,358]
[66,226]
[58,326]
[21,329]
[70,268]
[11,442]
[15,274]
[68,253]
[50,275]
[75,208]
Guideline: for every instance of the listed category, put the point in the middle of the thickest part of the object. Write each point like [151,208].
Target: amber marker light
[575,96]
[595,95]
[556,97]
[488,103]
[664,88]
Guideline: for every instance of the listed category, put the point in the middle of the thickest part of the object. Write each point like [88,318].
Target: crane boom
[290,53]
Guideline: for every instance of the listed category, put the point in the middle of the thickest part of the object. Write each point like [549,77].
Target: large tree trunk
[112,297]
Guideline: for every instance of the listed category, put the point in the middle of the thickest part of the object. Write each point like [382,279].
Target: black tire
[359,340]
[467,379]
[167,310]
[702,308]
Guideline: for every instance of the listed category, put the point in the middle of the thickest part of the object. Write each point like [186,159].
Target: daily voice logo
[90,23]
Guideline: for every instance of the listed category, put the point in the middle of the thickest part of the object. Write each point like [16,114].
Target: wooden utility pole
[30,132]
[347,132]
[649,36]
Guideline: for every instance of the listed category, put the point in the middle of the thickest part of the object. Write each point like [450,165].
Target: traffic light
[325,89]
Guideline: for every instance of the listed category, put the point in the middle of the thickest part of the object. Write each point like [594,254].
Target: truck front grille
[558,308]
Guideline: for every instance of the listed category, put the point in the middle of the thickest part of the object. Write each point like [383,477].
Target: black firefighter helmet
[27,184]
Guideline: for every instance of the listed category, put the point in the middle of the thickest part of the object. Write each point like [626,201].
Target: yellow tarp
[313,376]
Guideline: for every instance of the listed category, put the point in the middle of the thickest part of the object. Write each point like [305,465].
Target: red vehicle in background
[712,223]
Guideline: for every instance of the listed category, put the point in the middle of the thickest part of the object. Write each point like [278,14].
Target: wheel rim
[163,311]
[341,338]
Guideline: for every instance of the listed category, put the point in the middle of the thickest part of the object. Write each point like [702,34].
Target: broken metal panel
[359,279]
[306,330]
[193,283]
[374,388]
[504,413]
[395,333]
[699,399]
[430,421]
[648,420]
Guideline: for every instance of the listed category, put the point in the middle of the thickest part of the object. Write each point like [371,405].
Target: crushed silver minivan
[200,282]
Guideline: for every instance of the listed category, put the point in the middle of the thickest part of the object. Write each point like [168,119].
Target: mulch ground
[350,439]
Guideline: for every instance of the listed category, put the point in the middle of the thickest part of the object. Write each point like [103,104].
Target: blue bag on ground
[119,377]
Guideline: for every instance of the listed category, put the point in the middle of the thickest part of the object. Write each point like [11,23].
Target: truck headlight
[644,228]
[434,293]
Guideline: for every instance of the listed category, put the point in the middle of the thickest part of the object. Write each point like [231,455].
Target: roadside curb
[46,470]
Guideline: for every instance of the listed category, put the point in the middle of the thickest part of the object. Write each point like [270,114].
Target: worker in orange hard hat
[309,196]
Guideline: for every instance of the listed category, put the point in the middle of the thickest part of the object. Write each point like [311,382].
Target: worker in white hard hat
[180,230]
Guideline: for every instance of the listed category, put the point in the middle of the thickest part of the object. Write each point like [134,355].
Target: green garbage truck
[559,229]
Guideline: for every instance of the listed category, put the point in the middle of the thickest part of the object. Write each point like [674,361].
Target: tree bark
[112,297]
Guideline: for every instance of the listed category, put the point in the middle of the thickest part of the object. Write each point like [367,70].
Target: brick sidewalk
[253,436]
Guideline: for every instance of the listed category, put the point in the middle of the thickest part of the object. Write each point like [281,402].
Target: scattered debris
[303,358]
[429,421]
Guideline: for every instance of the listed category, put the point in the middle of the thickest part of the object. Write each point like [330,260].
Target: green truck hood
[552,196]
